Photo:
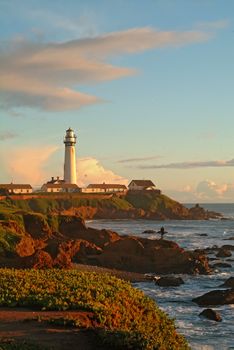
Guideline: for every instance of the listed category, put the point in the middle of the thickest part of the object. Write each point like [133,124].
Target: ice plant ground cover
[126,315]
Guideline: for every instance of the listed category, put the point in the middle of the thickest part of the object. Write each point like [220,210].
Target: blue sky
[147,86]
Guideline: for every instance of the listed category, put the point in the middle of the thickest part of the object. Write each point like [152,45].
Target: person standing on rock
[162,232]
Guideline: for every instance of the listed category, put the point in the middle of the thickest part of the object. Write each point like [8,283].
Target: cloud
[191,165]
[7,135]
[28,165]
[36,165]
[133,160]
[89,170]
[219,24]
[47,75]
[206,191]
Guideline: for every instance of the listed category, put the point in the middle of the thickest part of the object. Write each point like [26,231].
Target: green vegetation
[128,318]
[8,240]
[150,201]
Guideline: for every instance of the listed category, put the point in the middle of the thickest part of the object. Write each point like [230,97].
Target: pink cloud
[46,75]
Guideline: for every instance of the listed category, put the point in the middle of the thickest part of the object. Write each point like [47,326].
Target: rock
[223,253]
[144,255]
[222,265]
[149,231]
[129,245]
[169,281]
[216,297]
[199,213]
[228,246]
[203,234]
[26,246]
[229,283]
[229,239]
[36,225]
[211,315]
[40,260]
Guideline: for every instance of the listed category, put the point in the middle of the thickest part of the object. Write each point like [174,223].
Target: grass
[127,317]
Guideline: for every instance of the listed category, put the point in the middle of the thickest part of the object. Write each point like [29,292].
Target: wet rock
[222,265]
[216,297]
[169,281]
[229,283]
[149,231]
[228,247]
[223,253]
[211,315]
[203,234]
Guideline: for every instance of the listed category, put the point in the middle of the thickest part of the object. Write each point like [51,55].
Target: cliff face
[134,205]
[61,240]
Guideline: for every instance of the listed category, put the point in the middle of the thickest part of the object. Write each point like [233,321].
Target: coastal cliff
[133,205]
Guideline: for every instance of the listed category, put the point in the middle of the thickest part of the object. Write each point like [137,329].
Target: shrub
[125,313]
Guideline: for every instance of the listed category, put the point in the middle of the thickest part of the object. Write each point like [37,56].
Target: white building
[70,157]
[105,188]
[141,185]
[59,187]
[16,188]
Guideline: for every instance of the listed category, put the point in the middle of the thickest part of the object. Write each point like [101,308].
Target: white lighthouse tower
[70,157]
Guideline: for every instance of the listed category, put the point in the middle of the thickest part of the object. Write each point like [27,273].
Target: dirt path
[22,325]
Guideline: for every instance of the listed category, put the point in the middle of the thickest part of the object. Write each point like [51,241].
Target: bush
[128,317]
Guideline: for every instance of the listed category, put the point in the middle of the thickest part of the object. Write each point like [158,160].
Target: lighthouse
[70,157]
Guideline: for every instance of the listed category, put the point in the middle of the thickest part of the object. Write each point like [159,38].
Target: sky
[146,85]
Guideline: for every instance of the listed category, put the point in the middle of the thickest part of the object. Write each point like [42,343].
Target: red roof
[16,186]
[107,186]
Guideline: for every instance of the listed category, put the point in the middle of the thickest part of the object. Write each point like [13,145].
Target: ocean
[202,334]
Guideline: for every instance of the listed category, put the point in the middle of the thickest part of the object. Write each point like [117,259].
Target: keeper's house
[57,185]
[142,185]
[15,188]
[105,188]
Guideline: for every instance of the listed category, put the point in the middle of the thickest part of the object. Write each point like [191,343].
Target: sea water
[202,334]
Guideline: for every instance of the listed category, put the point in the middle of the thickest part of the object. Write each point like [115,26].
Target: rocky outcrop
[157,256]
[210,314]
[199,213]
[216,297]
[223,253]
[36,225]
[169,281]
[229,283]
[222,265]
[61,240]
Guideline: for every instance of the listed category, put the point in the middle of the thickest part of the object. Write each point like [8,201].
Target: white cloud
[44,75]
[27,165]
[35,165]
[89,170]
[206,191]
